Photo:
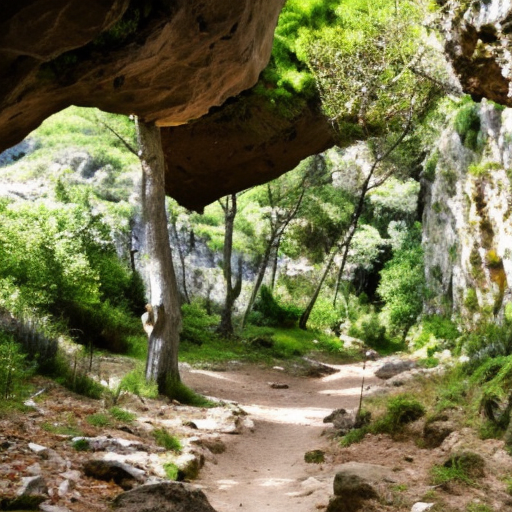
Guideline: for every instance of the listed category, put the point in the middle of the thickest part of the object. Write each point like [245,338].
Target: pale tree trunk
[164,314]
[232,291]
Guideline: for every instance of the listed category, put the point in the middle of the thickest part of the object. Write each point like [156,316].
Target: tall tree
[282,202]
[164,316]
[229,206]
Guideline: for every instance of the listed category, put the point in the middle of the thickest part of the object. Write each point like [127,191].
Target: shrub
[403,409]
[13,369]
[198,325]
[272,313]
[467,125]
[370,329]
[135,382]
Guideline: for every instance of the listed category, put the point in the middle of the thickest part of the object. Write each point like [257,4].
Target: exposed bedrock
[245,143]
[479,43]
[167,61]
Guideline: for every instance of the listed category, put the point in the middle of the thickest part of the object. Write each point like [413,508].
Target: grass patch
[171,471]
[400,410]
[122,414]
[187,396]
[166,440]
[99,419]
[280,343]
[81,445]
[135,382]
[441,475]
[63,430]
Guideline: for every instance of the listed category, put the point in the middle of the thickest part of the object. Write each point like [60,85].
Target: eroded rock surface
[478,41]
[167,62]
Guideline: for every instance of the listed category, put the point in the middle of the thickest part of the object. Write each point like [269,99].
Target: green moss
[166,440]
[467,125]
[483,170]
[471,300]
[429,172]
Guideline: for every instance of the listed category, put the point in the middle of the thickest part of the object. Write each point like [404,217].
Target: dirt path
[265,469]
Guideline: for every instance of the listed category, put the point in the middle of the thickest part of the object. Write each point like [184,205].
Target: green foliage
[324,315]
[483,170]
[99,419]
[171,471]
[437,328]
[370,329]
[135,382]
[401,409]
[429,171]
[442,475]
[63,430]
[467,125]
[81,445]
[63,262]
[268,311]
[187,396]
[13,368]
[198,325]
[122,415]
[166,440]
[402,285]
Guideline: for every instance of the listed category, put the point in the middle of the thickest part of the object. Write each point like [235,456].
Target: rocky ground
[248,455]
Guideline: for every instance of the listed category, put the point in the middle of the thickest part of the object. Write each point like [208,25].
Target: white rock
[72,474]
[34,469]
[45,507]
[31,485]
[64,488]
[42,451]
[421,507]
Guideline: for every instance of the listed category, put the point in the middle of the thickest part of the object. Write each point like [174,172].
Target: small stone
[190,424]
[122,474]
[42,451]
[278,385]
[421,507]
[34,469]
[64,488]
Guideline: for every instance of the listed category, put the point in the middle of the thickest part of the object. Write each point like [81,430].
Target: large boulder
[167,62]
[163,497]
[357,482]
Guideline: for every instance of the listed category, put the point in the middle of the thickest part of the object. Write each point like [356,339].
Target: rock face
[167,62]
[245,143]
[163,497]
[478,39]
[467,224]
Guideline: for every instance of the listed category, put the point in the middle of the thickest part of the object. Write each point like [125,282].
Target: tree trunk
[232,292]
[259,279]
[274,264]
[164,316]
[305,316]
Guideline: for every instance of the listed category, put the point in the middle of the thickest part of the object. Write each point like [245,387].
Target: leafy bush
[13,368]
[271,313]
[171,471]
[63,262]
[198,326]
[370,329]
[437,328]
[402,285]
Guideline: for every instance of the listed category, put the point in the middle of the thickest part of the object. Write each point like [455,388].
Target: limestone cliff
[467,218]
[479,43]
